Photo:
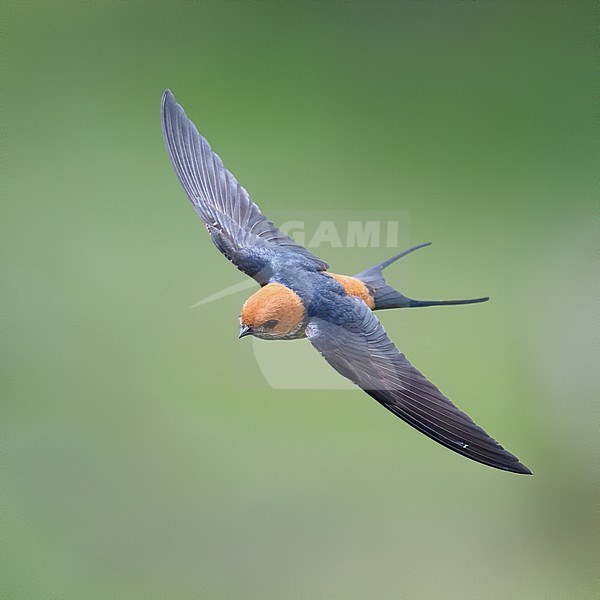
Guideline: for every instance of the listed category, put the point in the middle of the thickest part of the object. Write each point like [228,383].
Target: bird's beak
[244,331]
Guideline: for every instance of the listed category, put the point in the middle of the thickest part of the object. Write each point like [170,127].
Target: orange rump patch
[354,287]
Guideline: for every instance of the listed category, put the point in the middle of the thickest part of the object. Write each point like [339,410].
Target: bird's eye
[270,324]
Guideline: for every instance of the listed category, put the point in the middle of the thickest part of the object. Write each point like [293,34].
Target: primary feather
[238,228]
[356,345]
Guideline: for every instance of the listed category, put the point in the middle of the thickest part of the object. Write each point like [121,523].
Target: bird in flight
[300,298]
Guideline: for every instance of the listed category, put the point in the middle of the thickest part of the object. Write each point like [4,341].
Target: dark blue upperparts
[323,296]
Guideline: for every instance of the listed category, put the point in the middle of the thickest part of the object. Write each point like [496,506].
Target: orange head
[274,312]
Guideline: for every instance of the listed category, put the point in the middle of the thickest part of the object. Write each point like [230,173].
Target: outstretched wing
[357,346]
[236,225]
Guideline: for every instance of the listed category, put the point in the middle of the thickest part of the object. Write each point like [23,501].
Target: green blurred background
[144,455]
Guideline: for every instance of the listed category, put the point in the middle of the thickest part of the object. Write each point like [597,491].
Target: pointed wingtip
[513,465]
[167,98]
[521,469]
[172,116]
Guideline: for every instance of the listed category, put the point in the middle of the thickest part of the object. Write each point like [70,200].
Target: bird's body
[299,298]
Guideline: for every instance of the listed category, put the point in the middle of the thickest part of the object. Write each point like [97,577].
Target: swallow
[300,298]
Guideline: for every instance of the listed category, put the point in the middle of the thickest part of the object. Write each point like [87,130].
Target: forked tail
[387,297]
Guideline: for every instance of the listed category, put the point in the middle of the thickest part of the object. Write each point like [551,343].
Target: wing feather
[357,346]
[238,228]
